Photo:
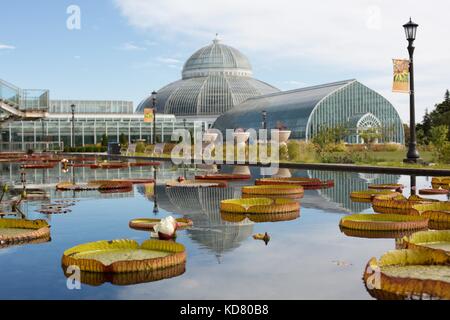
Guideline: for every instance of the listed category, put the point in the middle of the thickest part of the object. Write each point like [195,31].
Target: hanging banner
[149,115]
[401,76]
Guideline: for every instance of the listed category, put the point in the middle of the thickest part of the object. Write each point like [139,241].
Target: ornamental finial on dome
[216,39]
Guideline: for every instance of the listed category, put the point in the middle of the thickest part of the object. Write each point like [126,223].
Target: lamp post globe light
[413,154]
[72,107]
[264,120]
[154,94]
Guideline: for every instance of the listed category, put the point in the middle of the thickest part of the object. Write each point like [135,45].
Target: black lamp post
[154,93]
[264,120]
[413,154]
[155,202]
[72,107]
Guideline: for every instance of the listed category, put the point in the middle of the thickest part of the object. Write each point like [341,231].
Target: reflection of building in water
[345,183]
[202,206]
[337,199]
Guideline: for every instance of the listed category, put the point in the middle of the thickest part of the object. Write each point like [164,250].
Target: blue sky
[127,48]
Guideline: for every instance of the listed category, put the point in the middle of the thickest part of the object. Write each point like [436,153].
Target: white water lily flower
[166,226]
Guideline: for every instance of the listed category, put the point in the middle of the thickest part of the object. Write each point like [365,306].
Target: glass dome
[217,58]
[214,80]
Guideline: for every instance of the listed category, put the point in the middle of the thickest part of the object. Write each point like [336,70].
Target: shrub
[388,147]
[443,155]
[284,153]
[140,147]
[302,151]
[335,147]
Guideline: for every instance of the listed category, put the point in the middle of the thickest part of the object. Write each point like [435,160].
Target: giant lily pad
[285,191]
[260,206]
[383,222]
[16,231]
[438,213]
[149,224]
[395,203]
[306,183]
[431,240]
[129,278]
[409,274]
[124,256]
[368,195]
[260,218]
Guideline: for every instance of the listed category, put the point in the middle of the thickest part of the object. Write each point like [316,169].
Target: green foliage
[140,147]
[440,116]
[335,147]
[443,155]
[330,135]
[302,151]
[123,139]
[370,135]
[438,135]
[105,140]
[440,143]
[284,152]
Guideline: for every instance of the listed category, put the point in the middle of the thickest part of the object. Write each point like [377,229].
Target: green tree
[330,135]
[105,140]
[123,139]
[439,136]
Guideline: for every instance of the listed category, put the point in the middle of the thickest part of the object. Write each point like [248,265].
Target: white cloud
[169,61]
[6,47]
[129,46]
[358,36]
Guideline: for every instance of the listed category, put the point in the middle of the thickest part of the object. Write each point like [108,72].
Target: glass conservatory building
[305,111]
[214,79]
[93,119]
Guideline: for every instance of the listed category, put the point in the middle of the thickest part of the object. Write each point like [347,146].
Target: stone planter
[281,135]
[241,138]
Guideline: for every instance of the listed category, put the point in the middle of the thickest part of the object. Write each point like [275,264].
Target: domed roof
[217,58]
[214,79]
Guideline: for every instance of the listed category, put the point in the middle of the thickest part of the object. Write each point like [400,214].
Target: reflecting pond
[306,258]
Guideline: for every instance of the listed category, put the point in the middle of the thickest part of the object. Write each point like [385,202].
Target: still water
[307,258]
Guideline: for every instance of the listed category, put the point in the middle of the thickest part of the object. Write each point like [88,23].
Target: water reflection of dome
[344,184]
[201,205]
